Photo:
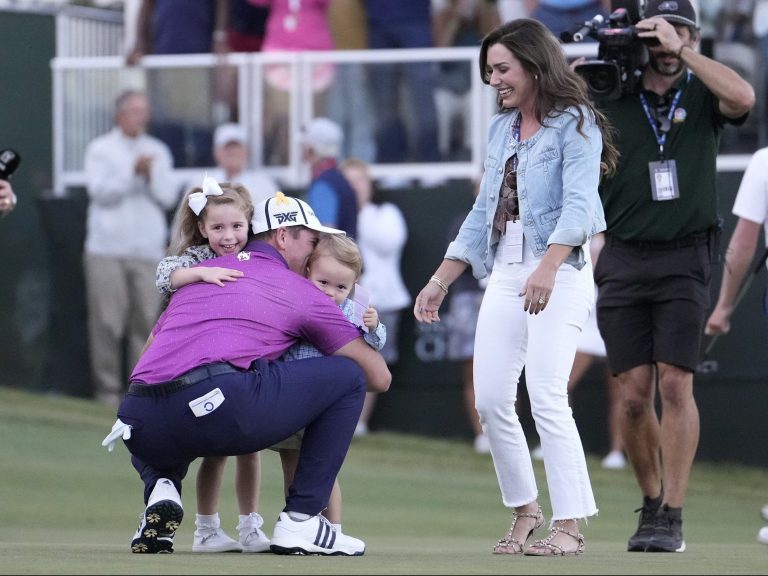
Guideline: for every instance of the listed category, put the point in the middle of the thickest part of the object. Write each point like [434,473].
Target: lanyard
[661,134]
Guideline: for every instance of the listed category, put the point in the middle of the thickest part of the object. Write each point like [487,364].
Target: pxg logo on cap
[286,218]
[282,211]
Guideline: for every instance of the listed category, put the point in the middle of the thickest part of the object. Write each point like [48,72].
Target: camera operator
[654,271]
[7,198]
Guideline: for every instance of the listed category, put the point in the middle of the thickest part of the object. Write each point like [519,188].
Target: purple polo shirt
[260,315]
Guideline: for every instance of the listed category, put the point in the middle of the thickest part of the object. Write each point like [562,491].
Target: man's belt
[184,381]
[690,240]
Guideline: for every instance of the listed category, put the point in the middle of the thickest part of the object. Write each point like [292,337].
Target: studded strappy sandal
[511,545]
[546,547]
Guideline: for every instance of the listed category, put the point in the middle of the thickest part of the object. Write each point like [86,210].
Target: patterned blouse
[191,256]
[508,208]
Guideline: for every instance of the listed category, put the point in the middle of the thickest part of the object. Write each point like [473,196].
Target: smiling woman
[530,227]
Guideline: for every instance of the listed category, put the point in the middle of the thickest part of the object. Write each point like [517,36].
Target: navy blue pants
[261,407]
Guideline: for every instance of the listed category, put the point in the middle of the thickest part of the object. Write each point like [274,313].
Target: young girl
[213,221]
[334,267]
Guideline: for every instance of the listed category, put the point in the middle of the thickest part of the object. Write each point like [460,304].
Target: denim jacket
[558,173]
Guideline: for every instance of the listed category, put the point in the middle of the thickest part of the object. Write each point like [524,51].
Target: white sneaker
[537,453]
[252,537]
[482,444]
[764,512]
[212,539]
[160,520]
[615,460]
[313,536]
[762,535]
[361,429]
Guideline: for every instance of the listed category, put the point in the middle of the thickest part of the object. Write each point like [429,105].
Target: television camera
[621,53]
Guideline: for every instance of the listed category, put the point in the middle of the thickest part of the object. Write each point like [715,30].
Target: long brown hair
[558,85]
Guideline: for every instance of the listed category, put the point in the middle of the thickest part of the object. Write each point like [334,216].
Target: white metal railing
[84,31]
[85,87]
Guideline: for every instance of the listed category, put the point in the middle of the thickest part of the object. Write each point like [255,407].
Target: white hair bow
[198,200]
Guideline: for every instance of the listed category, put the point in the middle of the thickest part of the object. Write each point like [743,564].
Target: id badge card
[513,242]
[664,180]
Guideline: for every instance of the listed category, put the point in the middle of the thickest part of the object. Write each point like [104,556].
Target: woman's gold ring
[541,300]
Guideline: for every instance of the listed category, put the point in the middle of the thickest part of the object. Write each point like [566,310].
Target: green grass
[423,506]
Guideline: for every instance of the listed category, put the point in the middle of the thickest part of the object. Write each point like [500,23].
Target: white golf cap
[230,132]
[324,136]
[281,211]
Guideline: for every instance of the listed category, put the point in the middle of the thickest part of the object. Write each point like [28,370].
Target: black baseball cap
[673,11]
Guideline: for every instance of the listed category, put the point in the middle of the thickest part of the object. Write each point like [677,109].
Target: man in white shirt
[751,206]
[130,187]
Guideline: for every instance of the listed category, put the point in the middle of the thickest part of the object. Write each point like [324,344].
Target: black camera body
[621,55]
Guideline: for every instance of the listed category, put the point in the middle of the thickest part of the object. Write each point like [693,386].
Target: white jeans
[509,338]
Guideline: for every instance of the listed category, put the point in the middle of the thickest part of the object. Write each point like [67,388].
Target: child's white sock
[207,520]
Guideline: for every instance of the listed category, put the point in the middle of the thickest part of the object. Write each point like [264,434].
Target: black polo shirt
[693,142]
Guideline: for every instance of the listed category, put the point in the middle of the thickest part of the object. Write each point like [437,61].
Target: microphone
[9,161]
[578,36]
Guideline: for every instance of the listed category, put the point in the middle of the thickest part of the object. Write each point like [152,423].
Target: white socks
[301,517]
[208,520]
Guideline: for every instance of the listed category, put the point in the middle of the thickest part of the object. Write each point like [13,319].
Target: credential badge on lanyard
[663,172]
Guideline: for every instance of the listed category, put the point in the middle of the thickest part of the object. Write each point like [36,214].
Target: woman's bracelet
[439,282]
